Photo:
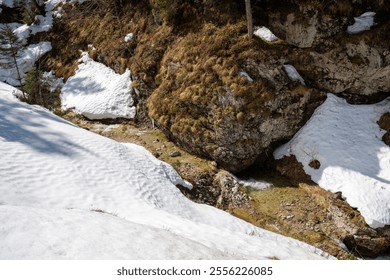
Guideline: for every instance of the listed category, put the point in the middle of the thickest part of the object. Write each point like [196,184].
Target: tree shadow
[32,126]
[82,86]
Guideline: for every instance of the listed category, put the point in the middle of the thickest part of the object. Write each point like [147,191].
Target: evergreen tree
[10,47]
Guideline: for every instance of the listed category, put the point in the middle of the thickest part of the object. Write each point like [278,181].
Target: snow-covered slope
[68,193]
[97,92]
[346,140]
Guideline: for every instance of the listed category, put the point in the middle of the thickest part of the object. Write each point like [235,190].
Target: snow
[346,140]
[53,82]
[97,92]
[67,193]
[44,23]
[265,34]
[26,61]
[293,74]
[362,23]
[129,37]
[9,3]
[23,32]
[246,75]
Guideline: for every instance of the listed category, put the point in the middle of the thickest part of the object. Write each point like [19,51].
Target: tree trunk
[249,19]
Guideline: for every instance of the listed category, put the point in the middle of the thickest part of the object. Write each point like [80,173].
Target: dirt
[384,123]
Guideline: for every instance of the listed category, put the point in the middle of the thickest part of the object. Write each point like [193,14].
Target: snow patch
[129,37]
[246,75]
[265,34]
[97,92]
[362,23]
[346,140]
[293,74]
[53,82]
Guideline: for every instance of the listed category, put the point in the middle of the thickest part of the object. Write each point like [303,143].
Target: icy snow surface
[362,23]
[293,74]
[346,139]
[97,92]
[265,34]
[66,193]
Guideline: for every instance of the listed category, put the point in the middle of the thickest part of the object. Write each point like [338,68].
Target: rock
[210,110]
[342,222]
[356,69]
[231,196]
[315,164]
[365,246]
[384,122]
[175,154]
[291,168]
[307,23]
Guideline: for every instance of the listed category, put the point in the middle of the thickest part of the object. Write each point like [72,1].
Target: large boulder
[230,106]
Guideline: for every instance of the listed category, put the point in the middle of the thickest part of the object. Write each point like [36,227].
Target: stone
[175,154]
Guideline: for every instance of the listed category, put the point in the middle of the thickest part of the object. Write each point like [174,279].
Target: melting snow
[246,75]
[293,74]
[362,23]
[129,37]
[265,34]
[346,140]
[97,92]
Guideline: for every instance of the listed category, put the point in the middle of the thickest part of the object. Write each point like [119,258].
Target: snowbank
[97,92]
[66,193]
[265,34]
[346,140]
[362,23]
